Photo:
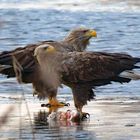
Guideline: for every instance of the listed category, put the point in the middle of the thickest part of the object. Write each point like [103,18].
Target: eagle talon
[67,104]
[54,103]
[46,105]
[42,105]
[85,116]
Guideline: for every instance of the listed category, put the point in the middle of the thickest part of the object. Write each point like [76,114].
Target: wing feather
[91,66]
[25,57]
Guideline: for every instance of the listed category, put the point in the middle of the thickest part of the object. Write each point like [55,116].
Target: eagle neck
[76,44]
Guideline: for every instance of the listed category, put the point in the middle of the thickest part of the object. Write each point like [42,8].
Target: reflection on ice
[62,129]
[108,120]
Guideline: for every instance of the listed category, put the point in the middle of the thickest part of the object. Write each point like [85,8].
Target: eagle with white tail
[22,64]
[83,71]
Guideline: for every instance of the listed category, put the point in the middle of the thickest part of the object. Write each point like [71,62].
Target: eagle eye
[84,31]
[45,48]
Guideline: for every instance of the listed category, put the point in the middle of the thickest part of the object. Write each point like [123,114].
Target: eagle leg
[83,115]
[81,95]
[53,102]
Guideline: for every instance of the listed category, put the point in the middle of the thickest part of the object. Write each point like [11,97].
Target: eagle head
[45,48]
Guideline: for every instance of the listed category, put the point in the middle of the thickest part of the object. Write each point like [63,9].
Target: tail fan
[3,67]
[137,60]
[131,75]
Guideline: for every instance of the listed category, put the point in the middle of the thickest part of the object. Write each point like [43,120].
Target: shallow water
[118,26]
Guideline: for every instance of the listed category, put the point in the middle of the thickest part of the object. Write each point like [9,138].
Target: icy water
[117,23]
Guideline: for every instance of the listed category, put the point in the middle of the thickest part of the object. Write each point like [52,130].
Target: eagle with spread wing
[83,71]
[22,64]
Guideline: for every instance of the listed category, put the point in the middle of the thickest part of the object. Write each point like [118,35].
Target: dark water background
[117,24]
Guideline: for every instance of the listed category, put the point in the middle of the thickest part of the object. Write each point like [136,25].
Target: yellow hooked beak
[50,49]
[91,33]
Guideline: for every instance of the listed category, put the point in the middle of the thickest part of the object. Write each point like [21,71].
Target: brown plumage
[83,71]
[77,40]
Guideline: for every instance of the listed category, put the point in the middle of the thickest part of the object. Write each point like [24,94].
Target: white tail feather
[131,75]
[2,67]
[138,64]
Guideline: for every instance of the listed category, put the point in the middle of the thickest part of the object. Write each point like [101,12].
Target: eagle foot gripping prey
[55,103]
[69,115]
[84,116]
[61,105]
